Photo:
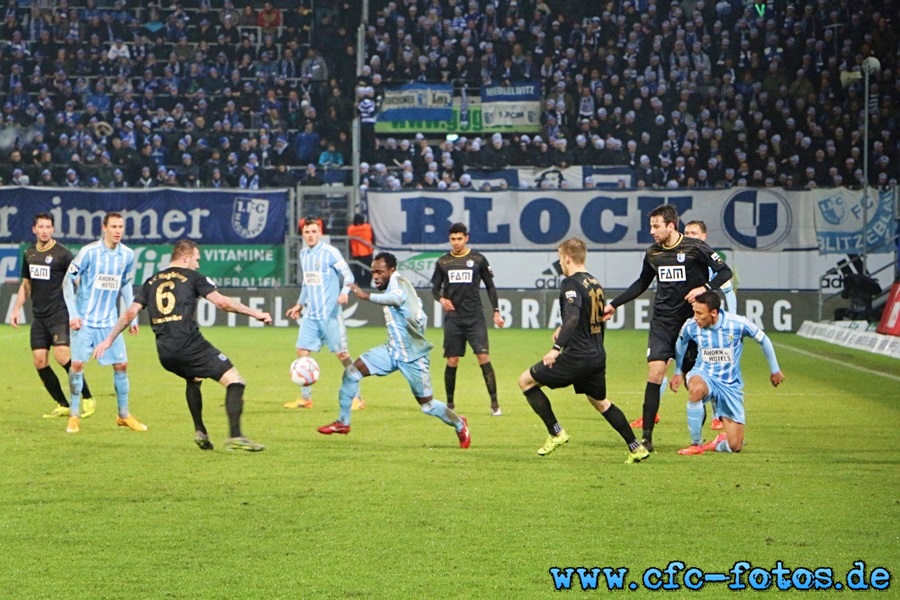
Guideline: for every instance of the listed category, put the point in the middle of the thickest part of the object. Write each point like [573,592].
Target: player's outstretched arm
[124,321]
[360,293]
[776,376]
[236,306]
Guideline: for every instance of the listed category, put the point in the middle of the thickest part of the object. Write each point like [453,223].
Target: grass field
[397,510]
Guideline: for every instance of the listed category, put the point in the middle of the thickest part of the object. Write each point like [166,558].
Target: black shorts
[661,344]
[201,360]
[459,331]
[587,375]
[661,340]
[52,331]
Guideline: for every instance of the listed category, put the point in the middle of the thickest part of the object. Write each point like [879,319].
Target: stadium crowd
[691,94]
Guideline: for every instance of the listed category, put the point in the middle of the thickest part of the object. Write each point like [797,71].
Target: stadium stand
[690,94]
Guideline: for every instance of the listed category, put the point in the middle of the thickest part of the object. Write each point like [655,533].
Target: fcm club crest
[250,216]
[833,209]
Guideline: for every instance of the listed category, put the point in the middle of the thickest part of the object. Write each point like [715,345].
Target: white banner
[538,220]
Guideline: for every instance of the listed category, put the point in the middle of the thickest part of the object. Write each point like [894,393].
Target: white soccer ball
[305,371]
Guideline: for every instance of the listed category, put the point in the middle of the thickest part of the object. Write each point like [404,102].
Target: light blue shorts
[86,339]
[729,397]
[315,331]
[381,362]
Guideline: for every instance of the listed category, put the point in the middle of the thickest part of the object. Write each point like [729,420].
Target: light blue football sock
[305,392]
[662,387]
[723,446]
[76,382]
[438,409]
[120,381]
[695,414]
[349,390]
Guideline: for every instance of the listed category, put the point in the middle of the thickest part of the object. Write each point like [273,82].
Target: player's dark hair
[44,216]
[700,224]
[111,215]
[389,259]
[575,249]
[459,228]
[183,247]
[358,219]
[668,212]
[710,299]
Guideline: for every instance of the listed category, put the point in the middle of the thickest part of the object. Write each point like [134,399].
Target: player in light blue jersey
[697,230]
[406,350]
[719,336]
[101,272]
[326,281]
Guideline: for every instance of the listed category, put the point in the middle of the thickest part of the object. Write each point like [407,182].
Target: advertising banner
[538,220]
[155,216]
[228,266]
[534,309]
[417,102]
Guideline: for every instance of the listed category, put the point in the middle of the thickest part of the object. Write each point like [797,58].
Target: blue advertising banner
[157,216]
[418,102]
[840,214]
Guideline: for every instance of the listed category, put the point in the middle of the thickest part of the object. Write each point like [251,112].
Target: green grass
[397,510]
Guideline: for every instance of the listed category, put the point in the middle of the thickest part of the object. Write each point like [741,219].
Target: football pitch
[396,509]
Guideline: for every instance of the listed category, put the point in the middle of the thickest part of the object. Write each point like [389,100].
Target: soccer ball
[305,371]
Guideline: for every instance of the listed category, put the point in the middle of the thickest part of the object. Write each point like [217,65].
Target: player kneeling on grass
[170,297]
[719,336]
[406,350]
[578,357]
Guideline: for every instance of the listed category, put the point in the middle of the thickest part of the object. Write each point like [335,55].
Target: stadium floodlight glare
[869,66]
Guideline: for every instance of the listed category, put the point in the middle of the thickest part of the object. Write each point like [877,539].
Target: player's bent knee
[526,381]
[352,373]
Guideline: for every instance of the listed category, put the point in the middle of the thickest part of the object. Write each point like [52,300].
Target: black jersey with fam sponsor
[170,297]
[458,278]
[581,294]
[678,269]
[46,270]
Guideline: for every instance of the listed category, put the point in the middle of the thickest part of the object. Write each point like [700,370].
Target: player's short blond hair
[183,247]
[575,249]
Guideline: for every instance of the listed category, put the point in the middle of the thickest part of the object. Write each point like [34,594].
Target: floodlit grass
[397,510]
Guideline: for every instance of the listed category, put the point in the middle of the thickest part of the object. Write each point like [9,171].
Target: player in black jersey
[171,299]
[456,284]
[681,267]
[577,357]
[44,266]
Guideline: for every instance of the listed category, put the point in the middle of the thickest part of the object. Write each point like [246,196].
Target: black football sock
[490,380]
[651,407]
[195,404]
[450,383]
[615,417]
[234,406]
[85,390]
[51,382]
[540,403]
